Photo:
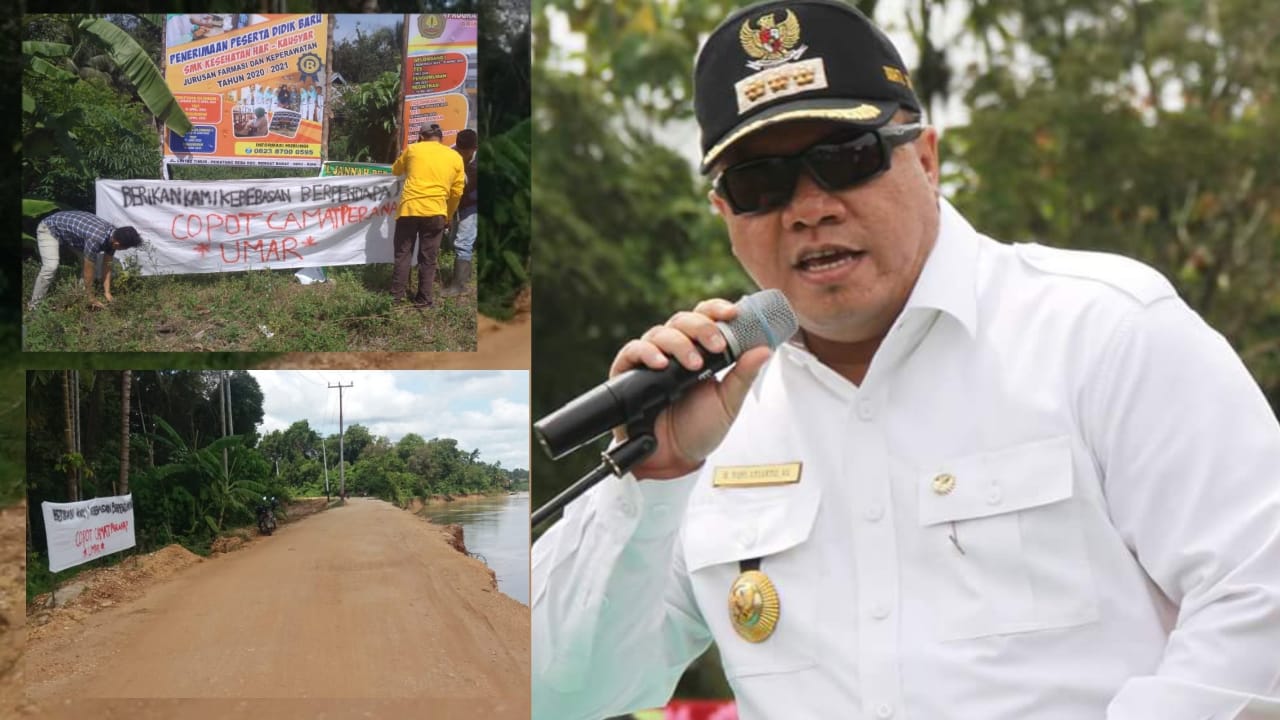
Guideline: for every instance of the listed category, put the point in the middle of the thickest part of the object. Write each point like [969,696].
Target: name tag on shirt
[756,475]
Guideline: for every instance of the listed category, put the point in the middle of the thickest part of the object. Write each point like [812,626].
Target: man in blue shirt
[88,235]
[467,143]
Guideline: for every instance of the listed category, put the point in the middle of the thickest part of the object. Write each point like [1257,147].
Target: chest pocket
[726,526]
[1002,543]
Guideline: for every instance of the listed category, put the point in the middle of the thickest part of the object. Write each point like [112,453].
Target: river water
[496,527]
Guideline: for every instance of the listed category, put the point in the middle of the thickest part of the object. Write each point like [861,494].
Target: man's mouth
[829,259]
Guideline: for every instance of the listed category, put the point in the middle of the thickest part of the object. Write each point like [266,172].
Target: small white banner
[232,225]
[82,531]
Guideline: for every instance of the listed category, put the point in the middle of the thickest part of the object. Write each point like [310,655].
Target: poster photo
[252,85]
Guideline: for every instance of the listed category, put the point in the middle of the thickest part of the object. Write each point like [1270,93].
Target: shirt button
[873,512]
[627,508]
[866,408]
[879,611]
[994,495]
[884,710]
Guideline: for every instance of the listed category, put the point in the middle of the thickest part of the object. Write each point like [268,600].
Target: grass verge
[256,311]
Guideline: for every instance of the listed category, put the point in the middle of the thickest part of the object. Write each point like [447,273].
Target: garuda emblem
[771,42]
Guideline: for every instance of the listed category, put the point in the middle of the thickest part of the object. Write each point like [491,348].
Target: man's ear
[927,151]
[718,204]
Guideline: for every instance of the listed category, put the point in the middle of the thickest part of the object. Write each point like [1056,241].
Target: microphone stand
[639,445]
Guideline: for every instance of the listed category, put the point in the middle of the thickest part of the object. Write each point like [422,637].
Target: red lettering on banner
[248,217]
[313,216]
[190,227]
[222,248]
[210,223]
[265,250]
[289,219]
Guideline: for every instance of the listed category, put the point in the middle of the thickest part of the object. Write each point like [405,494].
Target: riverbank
[417,504]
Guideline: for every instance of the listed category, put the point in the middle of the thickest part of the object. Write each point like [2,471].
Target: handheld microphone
[764,318]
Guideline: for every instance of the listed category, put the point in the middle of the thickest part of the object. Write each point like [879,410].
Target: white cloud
[482,410]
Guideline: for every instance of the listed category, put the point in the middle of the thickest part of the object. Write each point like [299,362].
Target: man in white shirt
[1002,481]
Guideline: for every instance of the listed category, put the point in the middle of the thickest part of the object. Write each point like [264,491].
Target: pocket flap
[1015,478]
[726,525]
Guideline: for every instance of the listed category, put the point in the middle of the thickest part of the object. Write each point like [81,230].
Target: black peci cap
[780,61]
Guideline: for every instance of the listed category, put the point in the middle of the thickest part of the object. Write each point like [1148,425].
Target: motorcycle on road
[266,510]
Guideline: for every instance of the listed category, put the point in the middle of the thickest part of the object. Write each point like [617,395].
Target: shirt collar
[948,281]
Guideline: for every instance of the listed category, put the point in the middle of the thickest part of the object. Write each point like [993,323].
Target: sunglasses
[764,184]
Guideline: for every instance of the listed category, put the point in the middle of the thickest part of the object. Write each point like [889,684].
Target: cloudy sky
[485,410]
[346,26]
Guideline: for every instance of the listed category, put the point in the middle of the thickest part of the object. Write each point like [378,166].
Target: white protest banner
[82,531]
[231,225]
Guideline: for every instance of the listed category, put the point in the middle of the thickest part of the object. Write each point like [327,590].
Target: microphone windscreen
[764,318]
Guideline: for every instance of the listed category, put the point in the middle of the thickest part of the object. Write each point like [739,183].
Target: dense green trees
[175,469]
[397,472]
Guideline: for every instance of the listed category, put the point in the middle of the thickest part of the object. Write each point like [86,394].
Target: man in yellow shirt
[435,178]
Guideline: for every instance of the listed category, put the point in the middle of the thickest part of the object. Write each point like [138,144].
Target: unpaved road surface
[500,346]
[359,611]
[13,578]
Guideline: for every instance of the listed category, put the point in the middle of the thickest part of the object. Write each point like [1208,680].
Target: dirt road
[500,346]
[13,578]
[363,604]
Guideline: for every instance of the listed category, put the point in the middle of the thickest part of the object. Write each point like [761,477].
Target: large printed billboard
[252,85]
[439,74]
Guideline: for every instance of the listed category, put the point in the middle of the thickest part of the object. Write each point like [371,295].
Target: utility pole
[222,415]
[324,453]
[342,470]
[231,426]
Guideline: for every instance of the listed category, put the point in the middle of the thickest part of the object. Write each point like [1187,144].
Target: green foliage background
[1146,129]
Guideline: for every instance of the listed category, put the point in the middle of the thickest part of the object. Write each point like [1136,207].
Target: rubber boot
[458,283]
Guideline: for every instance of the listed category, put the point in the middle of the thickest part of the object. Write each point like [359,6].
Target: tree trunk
[126,380]
[147,434]
[71,444]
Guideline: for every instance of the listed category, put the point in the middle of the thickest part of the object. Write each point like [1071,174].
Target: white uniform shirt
[1115,514]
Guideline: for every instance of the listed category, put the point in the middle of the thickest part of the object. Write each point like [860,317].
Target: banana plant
[219,485]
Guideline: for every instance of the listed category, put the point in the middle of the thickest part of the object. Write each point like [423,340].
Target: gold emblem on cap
[944,483]
[893,74]
[771,42]
[753,606]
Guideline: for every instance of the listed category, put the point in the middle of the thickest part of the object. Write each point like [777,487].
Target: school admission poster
[439,74]
[252,85]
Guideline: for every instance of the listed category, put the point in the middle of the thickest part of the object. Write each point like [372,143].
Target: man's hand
[689,430]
